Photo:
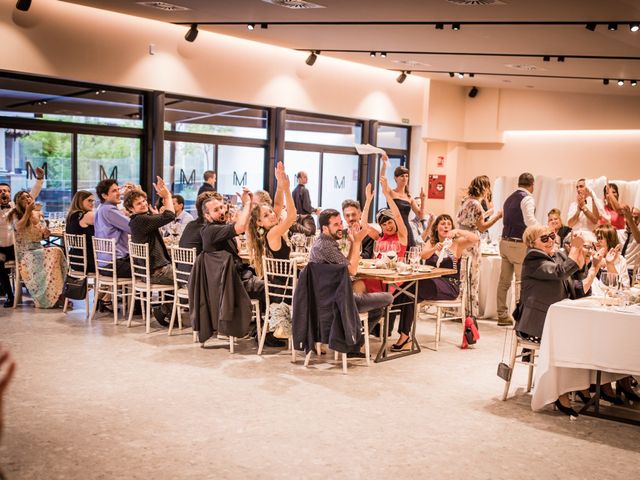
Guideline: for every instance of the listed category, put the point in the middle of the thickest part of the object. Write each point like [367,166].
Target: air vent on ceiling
[476,3]
[295,4]
[165,7]
[524,67]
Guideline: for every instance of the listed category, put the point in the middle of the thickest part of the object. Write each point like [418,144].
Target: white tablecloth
[489,276]
[581,336]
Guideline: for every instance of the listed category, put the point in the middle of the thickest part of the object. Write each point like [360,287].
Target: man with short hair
[302,200]
[110,222]
[6,238]
[209,178]
[585,212]
[181,220]
[519,213]
[326,250]
[353,216]
[191,237]
[145,228]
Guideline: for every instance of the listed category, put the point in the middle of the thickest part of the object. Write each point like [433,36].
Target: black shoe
[398,347]
[8,303]
[105,306]
[271,341]
[566,410]
[356,355]
[583,398]
[526,355]
[159,313]
[613,400]
[627,392]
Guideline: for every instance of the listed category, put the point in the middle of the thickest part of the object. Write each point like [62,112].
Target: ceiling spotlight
[605,81]
[402,77]
[23,5]
[372,54]
[311,59]
[439,26]
[451,74]
[192,33]
[591,27]
[251,26]
[546,58]
[633,83]
[634,27]
[612,26]
[620,83]
[561,59]
[264,25]
[455,26]
[460,75]
[383,54]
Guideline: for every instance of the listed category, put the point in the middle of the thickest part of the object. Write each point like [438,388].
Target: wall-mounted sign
[437,186]
[440,160]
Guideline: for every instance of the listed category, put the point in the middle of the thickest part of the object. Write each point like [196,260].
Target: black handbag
[75,288]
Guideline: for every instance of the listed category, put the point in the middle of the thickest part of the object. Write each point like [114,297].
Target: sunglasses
[547,237]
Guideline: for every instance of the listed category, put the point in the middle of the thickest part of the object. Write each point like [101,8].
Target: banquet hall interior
[350,92]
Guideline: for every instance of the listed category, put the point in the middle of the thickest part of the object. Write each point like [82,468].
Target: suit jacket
[324,309]
[302,200]
[218,302]
[545,281]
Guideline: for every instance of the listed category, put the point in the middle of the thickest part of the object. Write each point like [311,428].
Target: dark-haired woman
[42,269]
[80,222]
[471,217]
[403,199]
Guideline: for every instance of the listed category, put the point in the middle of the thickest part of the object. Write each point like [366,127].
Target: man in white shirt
[519,213]
[6,237]
[585,212]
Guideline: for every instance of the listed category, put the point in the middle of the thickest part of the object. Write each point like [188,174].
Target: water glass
[610,282]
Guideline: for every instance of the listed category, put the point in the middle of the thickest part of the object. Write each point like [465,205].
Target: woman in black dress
[80,222]
[405,202]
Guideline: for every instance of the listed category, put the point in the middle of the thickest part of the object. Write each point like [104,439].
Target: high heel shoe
[398,347]
[611,399]
[566,410]
[583,398]
[627,392]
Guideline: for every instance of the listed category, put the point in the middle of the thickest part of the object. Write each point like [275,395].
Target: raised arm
[402,228]
[37,186]
[242,220]
[419,210]
[364,219]
[462,240]
[284,186]
[628,215]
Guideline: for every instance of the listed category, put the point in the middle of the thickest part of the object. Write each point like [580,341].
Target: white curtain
[559,193]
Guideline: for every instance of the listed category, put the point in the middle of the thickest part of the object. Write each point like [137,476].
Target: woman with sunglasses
[545,281]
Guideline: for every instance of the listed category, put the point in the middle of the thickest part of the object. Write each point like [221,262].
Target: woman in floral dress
[41,269]
[471,216]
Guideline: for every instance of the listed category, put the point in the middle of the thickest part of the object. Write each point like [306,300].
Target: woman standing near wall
[471,217]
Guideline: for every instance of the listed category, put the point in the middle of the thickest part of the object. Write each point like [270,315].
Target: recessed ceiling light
[294,4]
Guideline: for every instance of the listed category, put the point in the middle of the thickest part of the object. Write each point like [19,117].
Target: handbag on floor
[75,288]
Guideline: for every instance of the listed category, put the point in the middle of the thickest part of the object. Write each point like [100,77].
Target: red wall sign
[437,186]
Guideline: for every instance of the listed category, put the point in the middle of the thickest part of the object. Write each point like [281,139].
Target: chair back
[182,260]
[104,255]
[76,249]
[140,265]
[280,279]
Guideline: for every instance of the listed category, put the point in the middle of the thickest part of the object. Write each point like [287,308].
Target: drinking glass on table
[414,257]
[610,282]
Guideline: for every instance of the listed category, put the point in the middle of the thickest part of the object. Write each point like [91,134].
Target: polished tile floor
[101,402]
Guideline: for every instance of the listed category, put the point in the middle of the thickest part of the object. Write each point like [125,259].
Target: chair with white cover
[280,279]
[76,250]
[517,355]
[182,260]
[106,279]
[143,289]
[455,307]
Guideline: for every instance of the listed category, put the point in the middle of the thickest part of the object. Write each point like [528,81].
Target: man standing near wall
[301,197]
[519,213]
[208,185]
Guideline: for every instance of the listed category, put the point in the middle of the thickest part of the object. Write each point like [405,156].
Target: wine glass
[610,281]
[377,248]
[414,257]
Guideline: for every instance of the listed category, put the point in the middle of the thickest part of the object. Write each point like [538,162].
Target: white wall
[62,40]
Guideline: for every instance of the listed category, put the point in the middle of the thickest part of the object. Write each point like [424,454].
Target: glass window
[309,162]
[101,157]
[69,103]
[210,118]
[322,131]
[393,137]
[24,150]
[184,165]
[240,167]
[339,179]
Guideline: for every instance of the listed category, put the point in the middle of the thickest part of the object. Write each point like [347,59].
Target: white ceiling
[450,51]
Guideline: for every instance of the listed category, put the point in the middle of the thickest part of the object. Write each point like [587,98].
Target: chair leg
[318,348]
[344,363]
[512,362]
[231,344]
[307,357]
[133,302]
[66,304]
[293,350]
[335,355]
[367,349]
[96,290]
[438,326]
[86,304]
[173,315]
[530,376]
[114,303]
[262,336]
[148,310]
